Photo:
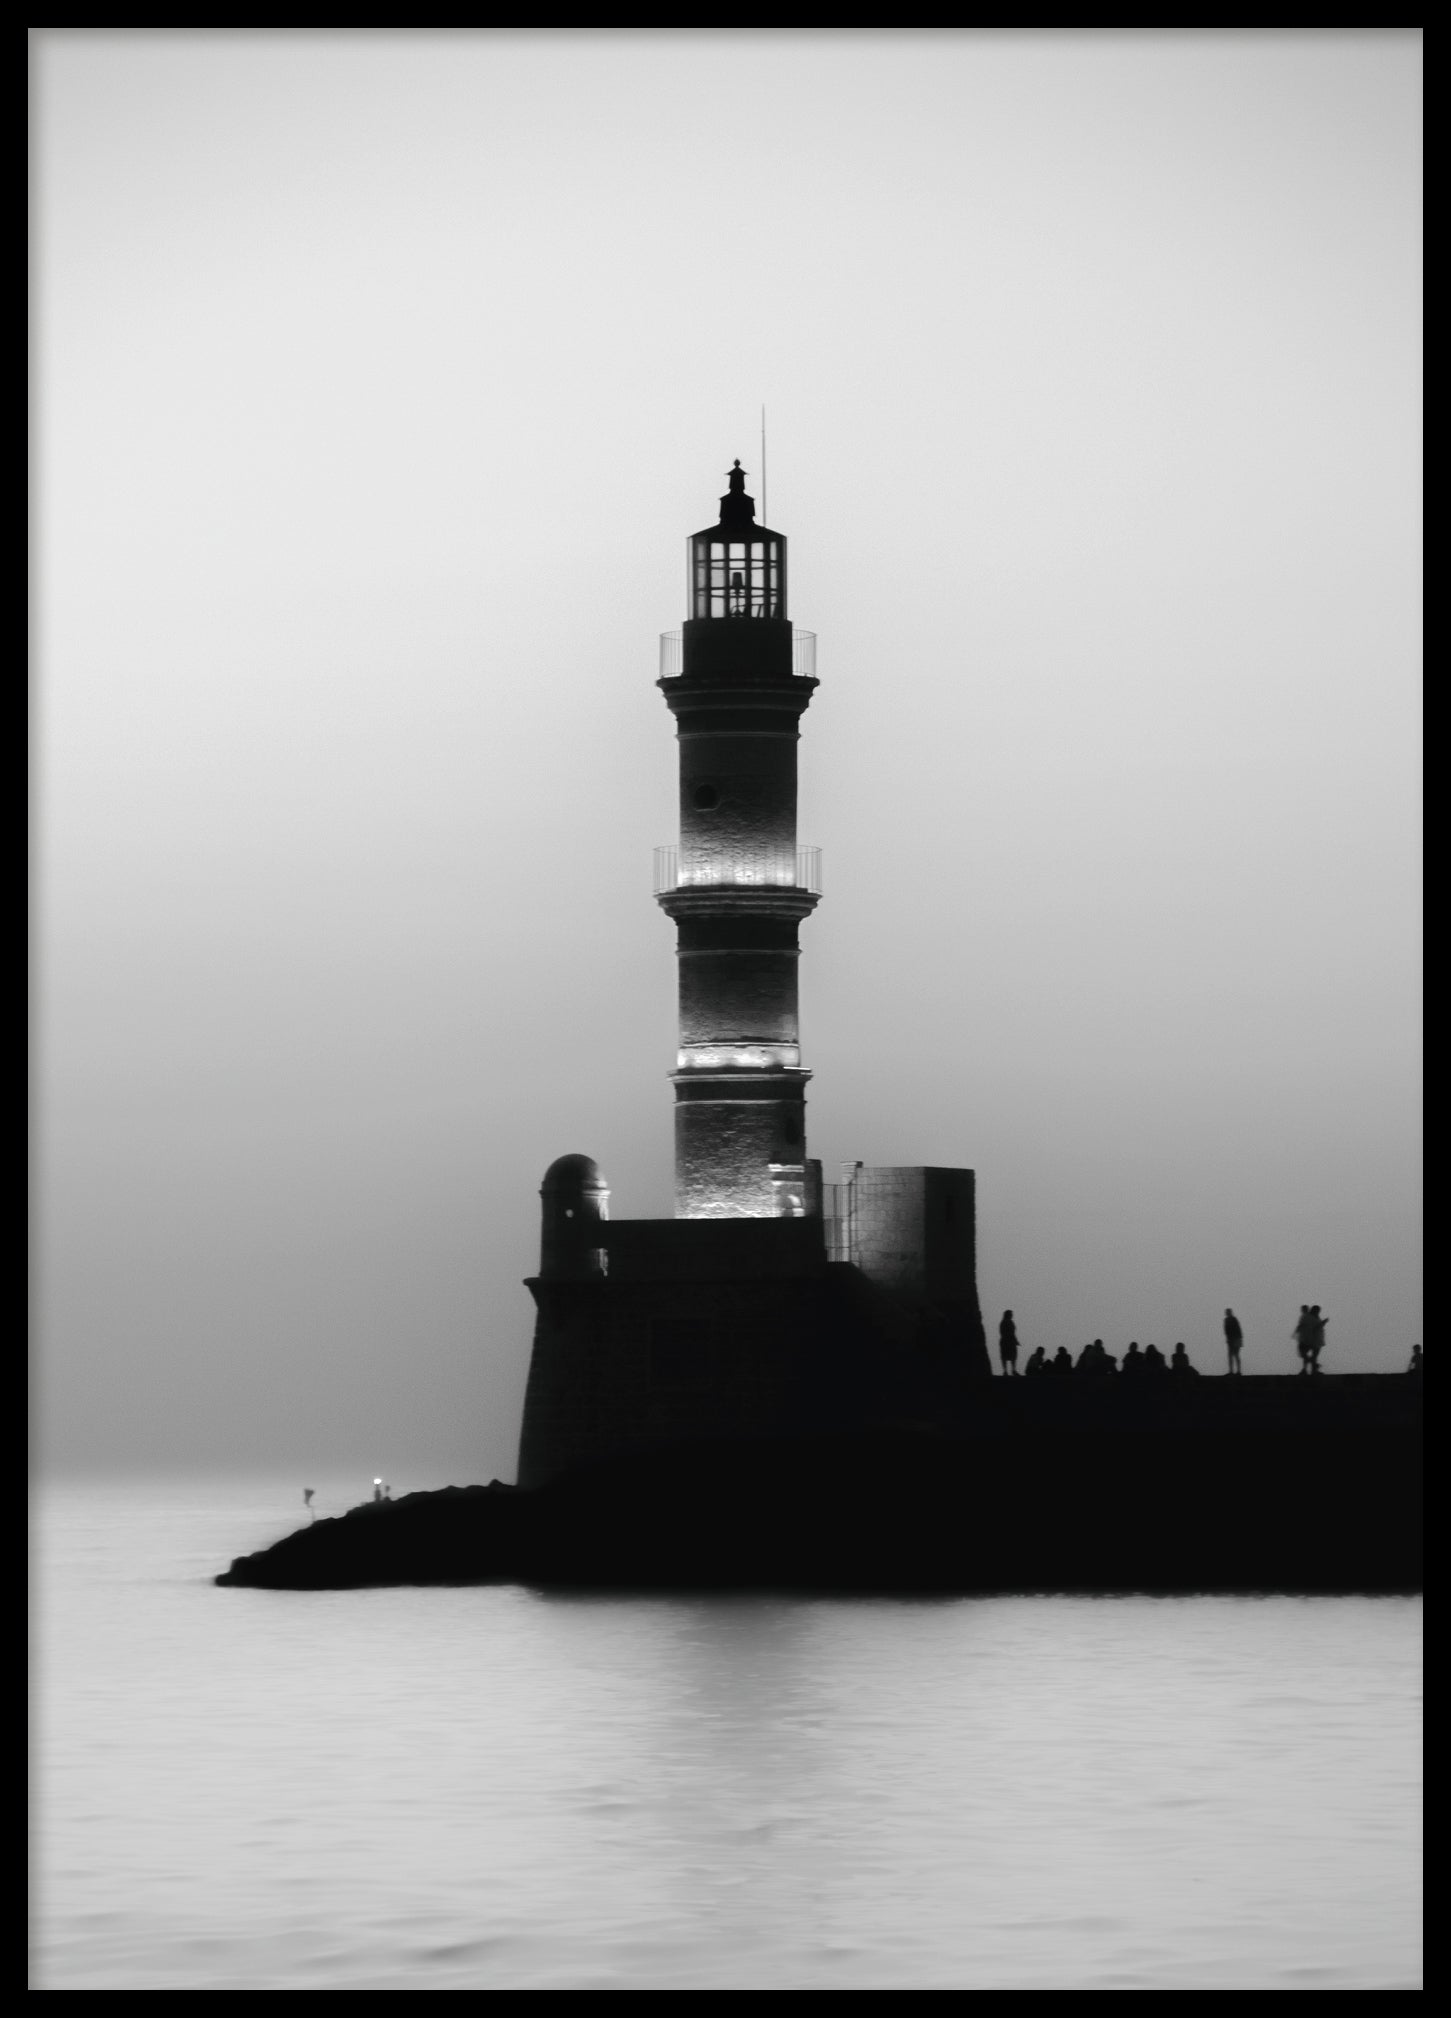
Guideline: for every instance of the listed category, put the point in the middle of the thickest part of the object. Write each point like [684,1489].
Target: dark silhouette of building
[772,1300]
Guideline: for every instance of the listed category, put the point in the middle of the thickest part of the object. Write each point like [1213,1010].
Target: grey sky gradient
[380,379]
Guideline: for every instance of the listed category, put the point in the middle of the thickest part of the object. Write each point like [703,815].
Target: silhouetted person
[1008,1343]
[1133,1358]
[1233,1339]
[1415,1365]
[1179,1363]
[1084,1362]
[307,1501]
[1317,1337]
[1037,1361]
[1062,1361]
[1154,1360]
[1304,1329]
[377,1490]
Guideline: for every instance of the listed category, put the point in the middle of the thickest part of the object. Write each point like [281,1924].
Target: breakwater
[1195,1486]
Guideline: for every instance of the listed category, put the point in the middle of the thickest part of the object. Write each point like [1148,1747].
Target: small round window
[705,798]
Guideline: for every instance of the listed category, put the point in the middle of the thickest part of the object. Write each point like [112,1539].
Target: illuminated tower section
[738,886]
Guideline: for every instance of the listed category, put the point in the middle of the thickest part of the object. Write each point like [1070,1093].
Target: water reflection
[511,1789]
[1083,1792]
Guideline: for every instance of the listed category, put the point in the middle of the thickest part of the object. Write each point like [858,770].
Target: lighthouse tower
[738,886]
[770,1302]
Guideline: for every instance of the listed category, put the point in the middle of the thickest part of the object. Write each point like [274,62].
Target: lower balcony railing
[767,868]
[803,654]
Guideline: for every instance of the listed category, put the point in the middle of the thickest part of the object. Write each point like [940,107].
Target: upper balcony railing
[765,869]
[803,654]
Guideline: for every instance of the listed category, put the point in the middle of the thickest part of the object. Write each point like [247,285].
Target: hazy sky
[380,379]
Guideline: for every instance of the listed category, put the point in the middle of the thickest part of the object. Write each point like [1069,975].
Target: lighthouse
[737,886]
[770,1303]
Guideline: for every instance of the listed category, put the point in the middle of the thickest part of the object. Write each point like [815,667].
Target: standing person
[1317,1337]
[1304,1328]
[307,1502]
[1008,1343]
[1233,1339]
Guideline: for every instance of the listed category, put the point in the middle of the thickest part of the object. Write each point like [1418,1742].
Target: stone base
[731,1329]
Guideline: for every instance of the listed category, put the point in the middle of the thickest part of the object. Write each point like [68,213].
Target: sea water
[512,1788]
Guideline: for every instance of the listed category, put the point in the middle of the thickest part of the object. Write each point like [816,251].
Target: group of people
[1309,1337]
[1095,1358]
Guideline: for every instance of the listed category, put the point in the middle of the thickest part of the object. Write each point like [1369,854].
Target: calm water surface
[507,1789]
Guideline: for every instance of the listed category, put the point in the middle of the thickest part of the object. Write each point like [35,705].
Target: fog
[379,379]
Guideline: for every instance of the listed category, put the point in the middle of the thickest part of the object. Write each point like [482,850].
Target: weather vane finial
[736,507]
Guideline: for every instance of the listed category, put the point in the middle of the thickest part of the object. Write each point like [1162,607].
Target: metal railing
[839,1219]
[803,654]
[758,869]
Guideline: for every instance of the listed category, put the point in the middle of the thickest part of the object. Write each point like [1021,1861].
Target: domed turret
[575,1200]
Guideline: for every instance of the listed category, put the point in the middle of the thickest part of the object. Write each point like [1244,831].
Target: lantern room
[737,568]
